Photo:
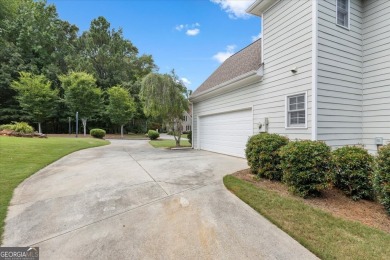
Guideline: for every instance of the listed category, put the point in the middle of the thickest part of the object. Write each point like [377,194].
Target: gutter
[237,82]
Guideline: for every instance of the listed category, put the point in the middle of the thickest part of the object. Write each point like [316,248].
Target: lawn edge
[316,252]
[2,221]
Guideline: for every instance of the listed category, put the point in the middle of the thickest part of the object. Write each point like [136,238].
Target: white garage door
[226,133]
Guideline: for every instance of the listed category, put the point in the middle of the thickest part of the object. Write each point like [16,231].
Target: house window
[296,110]
[342,13]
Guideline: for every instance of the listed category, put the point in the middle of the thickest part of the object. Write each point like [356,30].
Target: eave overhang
[258,7]
[238,82]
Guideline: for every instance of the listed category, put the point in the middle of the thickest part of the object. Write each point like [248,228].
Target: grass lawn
[326,236]
[163,143]
[22,157]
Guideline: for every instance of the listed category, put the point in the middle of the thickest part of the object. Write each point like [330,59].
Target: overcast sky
[191,36]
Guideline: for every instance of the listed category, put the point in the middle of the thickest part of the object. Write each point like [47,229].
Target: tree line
[49,71]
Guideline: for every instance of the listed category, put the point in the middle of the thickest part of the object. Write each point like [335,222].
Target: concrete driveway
[128,200]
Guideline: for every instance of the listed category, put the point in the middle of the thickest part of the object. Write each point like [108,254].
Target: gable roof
[240,63]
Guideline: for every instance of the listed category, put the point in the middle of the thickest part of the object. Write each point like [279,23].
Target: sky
[193,37]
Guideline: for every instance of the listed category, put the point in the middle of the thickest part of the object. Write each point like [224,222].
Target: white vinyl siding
[287,44]
[339,86]
[376,72]
[287,34]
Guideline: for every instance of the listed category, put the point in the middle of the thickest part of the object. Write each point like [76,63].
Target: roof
[242,62]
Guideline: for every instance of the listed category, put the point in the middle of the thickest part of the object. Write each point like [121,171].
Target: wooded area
[37,46]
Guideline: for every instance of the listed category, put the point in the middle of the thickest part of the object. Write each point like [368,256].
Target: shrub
[306,166]
[6,127]
[382,176]
[22,127]
[262,153]
[353,172]
[153,135]
[189,137]
[97,133]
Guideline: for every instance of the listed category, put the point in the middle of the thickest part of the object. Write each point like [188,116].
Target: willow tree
[121,106]
[82,95]
[163,96]
[35,96]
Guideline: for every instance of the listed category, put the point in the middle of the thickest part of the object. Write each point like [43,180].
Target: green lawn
[21,157]
[326,236]
[163,143]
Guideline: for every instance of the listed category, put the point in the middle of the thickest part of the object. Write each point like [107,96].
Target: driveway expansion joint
[145,170]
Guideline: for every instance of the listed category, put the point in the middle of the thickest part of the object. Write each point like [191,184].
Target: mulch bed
[332,200]
[17,134]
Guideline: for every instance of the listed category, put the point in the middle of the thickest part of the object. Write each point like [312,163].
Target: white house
[320,72]
[187,121]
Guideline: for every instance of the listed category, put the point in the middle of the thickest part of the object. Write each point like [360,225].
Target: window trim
[348,12]
[286,125]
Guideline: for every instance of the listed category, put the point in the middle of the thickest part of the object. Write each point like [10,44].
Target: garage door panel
[226,133]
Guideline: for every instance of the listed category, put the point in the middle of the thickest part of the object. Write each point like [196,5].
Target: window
[342,13]
[296,110]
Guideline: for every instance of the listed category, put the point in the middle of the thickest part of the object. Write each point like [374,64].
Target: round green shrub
[22,127]
[153,135]
[382,176]
[97,133]
[306,166]
[353,172]
[262,153]
[189,137]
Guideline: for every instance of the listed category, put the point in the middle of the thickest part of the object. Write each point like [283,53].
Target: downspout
[314,68]
[192,125]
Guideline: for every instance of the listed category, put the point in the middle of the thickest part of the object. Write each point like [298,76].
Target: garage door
[226,133]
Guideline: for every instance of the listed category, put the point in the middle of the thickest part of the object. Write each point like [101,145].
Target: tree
[121,106]
[35,96]
[82,95]
[164,96]
[112,59]
[32,39]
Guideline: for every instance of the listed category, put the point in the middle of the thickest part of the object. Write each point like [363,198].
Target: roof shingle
[244,61]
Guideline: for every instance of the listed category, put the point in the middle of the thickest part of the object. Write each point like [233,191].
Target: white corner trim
[262,39]
[192,125]
[314,69]
[253,119]
[197,133]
